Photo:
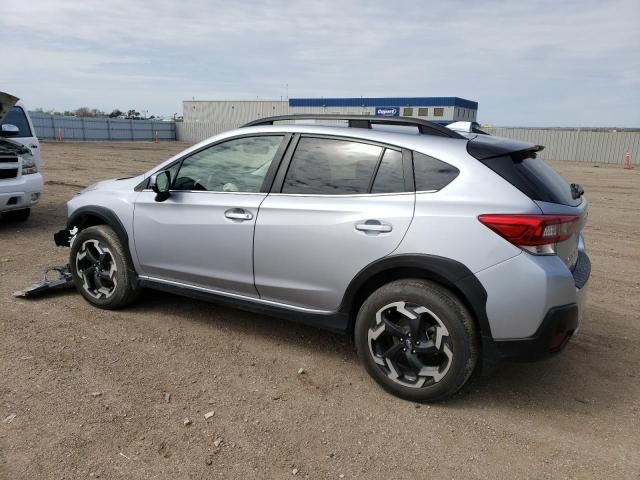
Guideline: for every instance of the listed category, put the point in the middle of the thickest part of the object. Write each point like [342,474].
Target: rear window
[533,177]
[17,117]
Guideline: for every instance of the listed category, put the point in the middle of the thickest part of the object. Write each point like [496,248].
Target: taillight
[537,234]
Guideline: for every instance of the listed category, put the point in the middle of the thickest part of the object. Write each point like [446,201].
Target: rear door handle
[238,214]
[373,226]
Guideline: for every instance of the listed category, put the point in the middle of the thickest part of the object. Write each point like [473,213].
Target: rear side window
[17,117]
[390,177]
[533,177]
[323,166]
[432,174]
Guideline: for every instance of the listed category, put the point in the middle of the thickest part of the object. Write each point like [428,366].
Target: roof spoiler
[483,147]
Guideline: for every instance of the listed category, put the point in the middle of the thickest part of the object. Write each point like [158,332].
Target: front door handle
[238,214]
[374,226]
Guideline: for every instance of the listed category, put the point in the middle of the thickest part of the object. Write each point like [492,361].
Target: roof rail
[365,121]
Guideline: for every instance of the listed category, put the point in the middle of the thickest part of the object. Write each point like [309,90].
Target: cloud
[527,63]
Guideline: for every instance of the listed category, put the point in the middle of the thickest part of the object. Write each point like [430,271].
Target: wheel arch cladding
[85,217]
[444,271]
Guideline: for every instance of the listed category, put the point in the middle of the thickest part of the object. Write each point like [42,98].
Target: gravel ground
[100,394]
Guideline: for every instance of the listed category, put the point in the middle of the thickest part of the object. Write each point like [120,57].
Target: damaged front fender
[65,237]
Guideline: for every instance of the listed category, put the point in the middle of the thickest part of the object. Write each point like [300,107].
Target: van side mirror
[161,184]
[9,130]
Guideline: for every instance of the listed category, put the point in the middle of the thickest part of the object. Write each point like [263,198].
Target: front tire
[102,271]
[417,340]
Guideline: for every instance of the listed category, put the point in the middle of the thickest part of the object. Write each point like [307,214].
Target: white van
[20,165]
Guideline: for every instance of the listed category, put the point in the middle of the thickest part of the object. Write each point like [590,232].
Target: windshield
[17,117]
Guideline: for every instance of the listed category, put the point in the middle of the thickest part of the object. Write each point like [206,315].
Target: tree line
[94,112]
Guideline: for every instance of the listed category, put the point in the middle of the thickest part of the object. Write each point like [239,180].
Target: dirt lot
[89,388]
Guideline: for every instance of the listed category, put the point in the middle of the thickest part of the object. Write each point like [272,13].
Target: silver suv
[439,253]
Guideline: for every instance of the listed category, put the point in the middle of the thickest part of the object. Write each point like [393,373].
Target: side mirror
[9,130]
[161,184]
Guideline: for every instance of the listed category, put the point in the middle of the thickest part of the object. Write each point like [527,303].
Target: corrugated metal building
[232,113]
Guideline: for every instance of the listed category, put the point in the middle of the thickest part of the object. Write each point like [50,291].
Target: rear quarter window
[17,117]
[432,174]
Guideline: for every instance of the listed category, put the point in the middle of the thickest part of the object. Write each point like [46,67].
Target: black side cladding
[517,163]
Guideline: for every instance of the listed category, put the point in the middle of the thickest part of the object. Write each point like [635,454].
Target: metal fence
[101,129]
[578,144]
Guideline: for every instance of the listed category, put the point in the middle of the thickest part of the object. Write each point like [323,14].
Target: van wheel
[417,340]
[17,215]
[102,272]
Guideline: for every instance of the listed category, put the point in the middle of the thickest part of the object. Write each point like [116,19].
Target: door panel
[203,233]
[201,238]
[308,248]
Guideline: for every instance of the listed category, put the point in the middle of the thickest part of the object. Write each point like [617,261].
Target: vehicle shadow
[241,322]
[38,220]
[563,384]
[588,378]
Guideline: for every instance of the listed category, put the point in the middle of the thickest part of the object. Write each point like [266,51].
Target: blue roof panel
[384,101]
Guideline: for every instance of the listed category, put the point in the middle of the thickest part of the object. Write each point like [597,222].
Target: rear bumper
[559,325]
[555,331]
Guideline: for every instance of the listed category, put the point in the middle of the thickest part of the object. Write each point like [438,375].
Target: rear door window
[323,166]
[17,117]
[432,174]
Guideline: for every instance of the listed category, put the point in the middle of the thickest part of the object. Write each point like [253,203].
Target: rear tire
[417,340]
[17,215]
[102,271]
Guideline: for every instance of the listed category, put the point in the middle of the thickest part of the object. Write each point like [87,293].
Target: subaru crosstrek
[439,253]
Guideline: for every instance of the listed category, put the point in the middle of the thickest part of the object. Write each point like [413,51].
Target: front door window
[238,165]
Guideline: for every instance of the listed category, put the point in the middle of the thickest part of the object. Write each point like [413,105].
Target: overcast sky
[538,63]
